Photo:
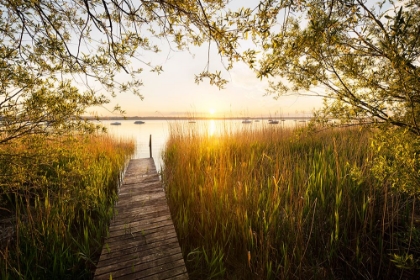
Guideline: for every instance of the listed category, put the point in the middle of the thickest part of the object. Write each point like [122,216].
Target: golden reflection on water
[212,127]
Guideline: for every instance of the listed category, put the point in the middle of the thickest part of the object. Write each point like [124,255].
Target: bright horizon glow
[174,93]
[212,111]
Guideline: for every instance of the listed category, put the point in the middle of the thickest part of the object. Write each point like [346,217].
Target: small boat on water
[139,122]
[273,122]
[115,123]
[191,122]
[247,121]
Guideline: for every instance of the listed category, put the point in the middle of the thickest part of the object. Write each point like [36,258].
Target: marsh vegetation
[278,203]
[56,201]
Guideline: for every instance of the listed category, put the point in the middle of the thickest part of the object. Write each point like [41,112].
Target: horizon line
[190,118]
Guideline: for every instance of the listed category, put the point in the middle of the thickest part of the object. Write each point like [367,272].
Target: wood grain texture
[142,242]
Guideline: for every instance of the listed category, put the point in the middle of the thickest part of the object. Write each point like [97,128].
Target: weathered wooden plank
[147,223]
[170,243]
[159,268]
[140,185]
[143,199]
[134,253]
[165,272]
[146,205]
[142,228]
[142,242]
[146,263]
[152,239]
[136,236]
[137,239]
[148,213]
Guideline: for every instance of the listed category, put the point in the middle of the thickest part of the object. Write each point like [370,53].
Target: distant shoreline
[193,118]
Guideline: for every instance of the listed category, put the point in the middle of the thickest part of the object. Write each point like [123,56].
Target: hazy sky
[175,93]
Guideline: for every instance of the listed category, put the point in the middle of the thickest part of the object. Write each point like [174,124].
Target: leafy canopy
[361,56]
[55,53]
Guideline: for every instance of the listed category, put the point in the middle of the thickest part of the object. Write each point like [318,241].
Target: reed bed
[275,203]
[58,196]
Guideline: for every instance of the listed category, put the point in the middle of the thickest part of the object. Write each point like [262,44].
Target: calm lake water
[159,130]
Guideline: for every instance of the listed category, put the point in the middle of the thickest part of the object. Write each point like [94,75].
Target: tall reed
[60,194]
[279,203]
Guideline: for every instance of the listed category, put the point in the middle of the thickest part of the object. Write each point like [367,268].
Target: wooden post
[150,145]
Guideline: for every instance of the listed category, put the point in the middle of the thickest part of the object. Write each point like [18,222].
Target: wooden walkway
[142,242]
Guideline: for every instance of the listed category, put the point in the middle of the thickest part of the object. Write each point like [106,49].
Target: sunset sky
[175,93]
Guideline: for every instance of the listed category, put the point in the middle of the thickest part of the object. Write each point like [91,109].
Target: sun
[212,111]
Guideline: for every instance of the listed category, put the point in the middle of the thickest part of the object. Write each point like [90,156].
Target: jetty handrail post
[150,146]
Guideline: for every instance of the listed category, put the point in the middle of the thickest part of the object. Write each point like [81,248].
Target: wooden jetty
[142,242]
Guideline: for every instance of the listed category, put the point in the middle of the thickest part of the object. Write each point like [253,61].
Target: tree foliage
[361,56]
[59,57]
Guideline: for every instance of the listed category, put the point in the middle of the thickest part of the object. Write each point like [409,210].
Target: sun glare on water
[212,111]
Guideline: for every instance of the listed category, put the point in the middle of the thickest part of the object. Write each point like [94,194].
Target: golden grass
[279,203]
[60,194]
